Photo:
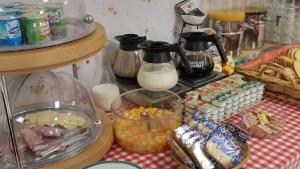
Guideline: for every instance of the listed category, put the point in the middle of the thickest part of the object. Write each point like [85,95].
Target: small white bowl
[193,20]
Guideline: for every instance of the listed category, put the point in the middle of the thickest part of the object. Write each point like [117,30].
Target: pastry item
[297,55]
[297,67]
[222,147]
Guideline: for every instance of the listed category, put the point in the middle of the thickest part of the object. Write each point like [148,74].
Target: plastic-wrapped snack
[191,141]
[188,135]
[181,130]
[239,134]
[209,128]
[204,125]
[249,120]
[199,156]
[222,147]
[184,158]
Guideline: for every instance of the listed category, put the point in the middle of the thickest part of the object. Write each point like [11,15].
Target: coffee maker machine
[201,59]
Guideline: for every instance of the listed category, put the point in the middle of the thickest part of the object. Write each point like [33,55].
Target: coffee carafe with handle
[158,71]
[128,59]
[198,54]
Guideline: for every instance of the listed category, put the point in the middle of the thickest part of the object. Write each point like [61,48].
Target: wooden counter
[249,52]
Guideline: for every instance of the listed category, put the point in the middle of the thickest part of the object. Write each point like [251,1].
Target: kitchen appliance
[128,59]
[197,52]
[200,59]
[227,18]
[158,71]
[254,24]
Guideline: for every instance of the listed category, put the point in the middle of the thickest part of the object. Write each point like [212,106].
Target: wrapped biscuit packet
[222,147]
[205,126]
[181,155]
[239,134]
[181,130]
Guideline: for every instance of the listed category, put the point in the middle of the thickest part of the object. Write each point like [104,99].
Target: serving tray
[76,29]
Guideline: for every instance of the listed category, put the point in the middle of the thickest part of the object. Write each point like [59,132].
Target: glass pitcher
[158,71]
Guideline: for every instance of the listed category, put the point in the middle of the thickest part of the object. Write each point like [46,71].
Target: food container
[57,20]
[263,120]
[10,31]
[36,27]
[46,23]
[144,120]
[50,111]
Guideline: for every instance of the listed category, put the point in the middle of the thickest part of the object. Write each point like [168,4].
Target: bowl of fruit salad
[144,120]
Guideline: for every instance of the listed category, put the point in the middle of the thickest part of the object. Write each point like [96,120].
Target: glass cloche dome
[30,24]
[54,117]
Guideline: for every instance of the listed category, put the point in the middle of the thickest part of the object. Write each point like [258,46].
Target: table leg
[75,71]
[10,121]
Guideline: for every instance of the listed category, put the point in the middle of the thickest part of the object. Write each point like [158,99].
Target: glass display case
[54,119]
[30,24]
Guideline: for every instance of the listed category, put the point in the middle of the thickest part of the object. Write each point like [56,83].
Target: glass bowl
[144,120]
[263,120]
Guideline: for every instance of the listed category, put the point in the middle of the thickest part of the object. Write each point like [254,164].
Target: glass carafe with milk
[107,89]
[158,71]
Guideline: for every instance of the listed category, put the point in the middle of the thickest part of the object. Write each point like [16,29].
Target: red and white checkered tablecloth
[282,152]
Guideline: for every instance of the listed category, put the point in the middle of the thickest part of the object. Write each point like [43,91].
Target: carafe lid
[129,42]
[196,41]
[156,51]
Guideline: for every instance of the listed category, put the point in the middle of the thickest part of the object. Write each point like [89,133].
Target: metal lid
[129,42]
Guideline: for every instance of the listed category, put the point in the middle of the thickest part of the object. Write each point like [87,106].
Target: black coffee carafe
[198,55]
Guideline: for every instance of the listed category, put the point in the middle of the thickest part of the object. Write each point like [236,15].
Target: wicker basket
[244,147]
[274,84]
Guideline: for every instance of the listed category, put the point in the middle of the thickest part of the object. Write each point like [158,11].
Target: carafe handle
[214,39]
[176,48]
